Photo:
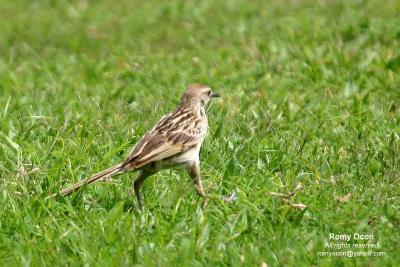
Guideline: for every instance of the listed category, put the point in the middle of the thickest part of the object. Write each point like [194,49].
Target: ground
[306,131]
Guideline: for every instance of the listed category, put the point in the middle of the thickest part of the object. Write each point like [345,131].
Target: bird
[175,141]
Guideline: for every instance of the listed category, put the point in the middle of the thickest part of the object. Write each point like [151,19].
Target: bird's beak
[214,94]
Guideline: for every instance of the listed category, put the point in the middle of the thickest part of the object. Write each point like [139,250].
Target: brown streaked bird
[174,141]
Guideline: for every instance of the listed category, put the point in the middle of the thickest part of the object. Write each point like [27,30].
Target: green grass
[310,95]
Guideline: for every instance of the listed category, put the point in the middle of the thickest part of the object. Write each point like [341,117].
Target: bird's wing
[175,133]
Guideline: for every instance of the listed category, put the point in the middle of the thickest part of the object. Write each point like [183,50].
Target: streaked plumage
[175,133]
[174,141]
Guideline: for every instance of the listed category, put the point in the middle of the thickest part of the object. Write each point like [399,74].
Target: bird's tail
[100,175]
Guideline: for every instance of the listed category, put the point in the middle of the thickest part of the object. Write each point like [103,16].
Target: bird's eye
[209,92]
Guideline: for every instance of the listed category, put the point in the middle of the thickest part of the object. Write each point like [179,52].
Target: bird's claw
[231,198]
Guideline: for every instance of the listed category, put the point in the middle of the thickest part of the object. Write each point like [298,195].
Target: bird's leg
[194,172]
[137,184]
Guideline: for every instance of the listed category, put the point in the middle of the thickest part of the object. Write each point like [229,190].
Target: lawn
[306,131]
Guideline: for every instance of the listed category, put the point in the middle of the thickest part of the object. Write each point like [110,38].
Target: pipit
[174,141]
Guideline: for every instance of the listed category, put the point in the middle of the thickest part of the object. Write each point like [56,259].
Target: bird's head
[198,94]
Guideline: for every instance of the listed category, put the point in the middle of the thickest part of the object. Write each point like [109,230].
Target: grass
[310,96]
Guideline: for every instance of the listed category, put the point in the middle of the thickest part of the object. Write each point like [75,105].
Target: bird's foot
[228,199]
[231,198]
